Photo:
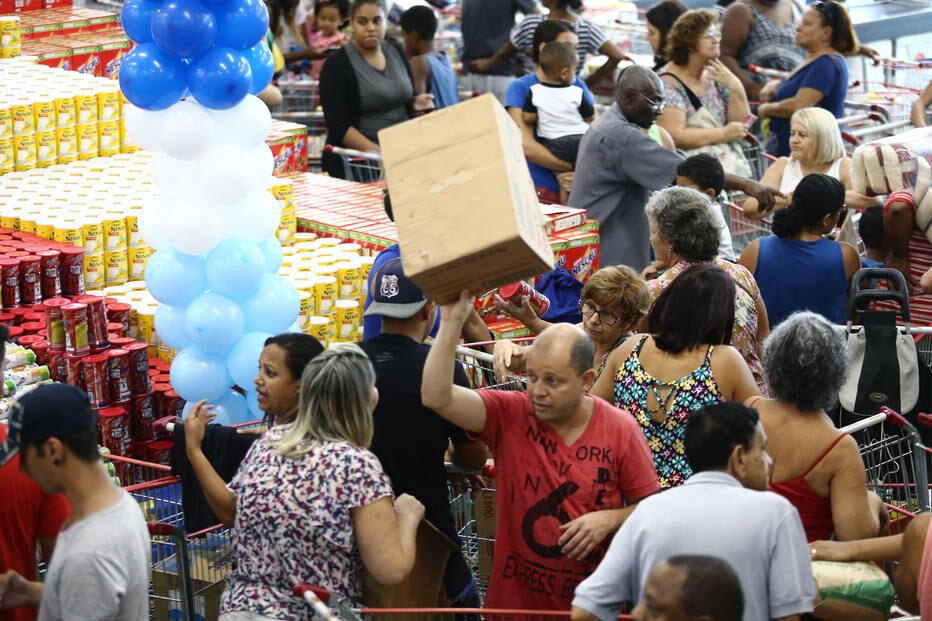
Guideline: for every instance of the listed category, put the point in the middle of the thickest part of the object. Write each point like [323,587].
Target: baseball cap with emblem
[51,410]
[394,294]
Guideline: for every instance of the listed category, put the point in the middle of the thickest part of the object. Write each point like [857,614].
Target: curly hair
[805,361]
[683,217]
[686,32]
[619,289]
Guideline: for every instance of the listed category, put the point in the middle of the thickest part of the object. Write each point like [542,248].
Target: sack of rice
[851,592]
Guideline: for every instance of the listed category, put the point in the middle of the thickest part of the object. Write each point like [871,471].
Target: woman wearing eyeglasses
[827,36]
[613,301]
[683,364]
[706,106]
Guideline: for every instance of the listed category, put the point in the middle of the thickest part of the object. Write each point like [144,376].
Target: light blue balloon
[235,267]
[196,375]
[294,328]
[262,63]
[222,416]
[272,250]
[219,78]
[184,28]
[272,307]
[252,402]
[175,278]
[152,79]
[243,359]
[241,24]
[234,408]
[214,322]
[170,326]
[136,18]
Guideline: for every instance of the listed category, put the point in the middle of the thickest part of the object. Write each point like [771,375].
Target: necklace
[621,339]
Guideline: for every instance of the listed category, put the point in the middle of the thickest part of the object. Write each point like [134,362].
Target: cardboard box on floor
[486,516]
[208,568]
[463,200]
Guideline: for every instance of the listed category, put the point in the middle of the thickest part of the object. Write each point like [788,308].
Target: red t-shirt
[26,513]
[543,483]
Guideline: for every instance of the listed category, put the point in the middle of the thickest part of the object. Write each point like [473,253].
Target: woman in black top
[366,86]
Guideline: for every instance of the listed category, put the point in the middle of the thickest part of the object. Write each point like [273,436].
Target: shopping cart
[360,166]
[301,104]
[758,159]
[895,460]
[743,229]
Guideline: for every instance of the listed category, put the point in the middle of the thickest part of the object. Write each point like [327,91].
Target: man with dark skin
[691,588]
[619,164]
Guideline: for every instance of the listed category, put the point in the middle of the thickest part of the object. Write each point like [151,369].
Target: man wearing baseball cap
[99,569]
[410,440]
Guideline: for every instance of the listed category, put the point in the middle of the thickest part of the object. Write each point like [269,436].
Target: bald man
[569,467]
[619,164]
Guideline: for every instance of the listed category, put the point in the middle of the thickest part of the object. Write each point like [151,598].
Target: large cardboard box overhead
[463,200]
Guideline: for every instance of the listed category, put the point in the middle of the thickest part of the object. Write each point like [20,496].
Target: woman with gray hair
[683,234]
[816,467]
[313,504]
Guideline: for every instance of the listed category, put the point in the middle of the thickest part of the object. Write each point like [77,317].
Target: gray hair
[805,362]
[335,403]
[683,217]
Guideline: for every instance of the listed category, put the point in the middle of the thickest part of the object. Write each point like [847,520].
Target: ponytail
[815,197]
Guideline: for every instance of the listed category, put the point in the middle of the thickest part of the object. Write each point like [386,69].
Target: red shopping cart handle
[161,529]
[925,419]
[894,417]
[300,589]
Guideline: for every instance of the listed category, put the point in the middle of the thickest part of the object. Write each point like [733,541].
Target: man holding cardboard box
[619,164]
[569,466]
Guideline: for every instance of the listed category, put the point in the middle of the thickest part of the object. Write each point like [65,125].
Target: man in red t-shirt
[27,516]
[568,465]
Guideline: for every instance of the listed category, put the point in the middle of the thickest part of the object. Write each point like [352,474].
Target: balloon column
[192,81]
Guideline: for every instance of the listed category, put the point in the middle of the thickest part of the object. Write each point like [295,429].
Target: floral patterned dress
[666,440]
[747,293]
[293,525]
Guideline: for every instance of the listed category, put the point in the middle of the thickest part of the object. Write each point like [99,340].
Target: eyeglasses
[606,318]
[713,34]
[656,105]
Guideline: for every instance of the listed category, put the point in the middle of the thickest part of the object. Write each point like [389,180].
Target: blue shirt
[515,97]
[442,81]
[796,275]
[372,326]
[826,74]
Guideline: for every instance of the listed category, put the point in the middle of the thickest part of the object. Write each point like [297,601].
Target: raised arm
[919,112]
[461,406]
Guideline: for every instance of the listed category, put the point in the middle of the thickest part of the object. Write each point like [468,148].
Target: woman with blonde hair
[312,504]
[706,106]
[815,147]
[613,301]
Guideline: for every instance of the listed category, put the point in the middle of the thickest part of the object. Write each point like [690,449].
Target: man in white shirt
[100,567]
[722,510]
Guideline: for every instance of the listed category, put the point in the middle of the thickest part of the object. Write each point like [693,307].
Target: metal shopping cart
[743,229]
[301,104]
[360,166]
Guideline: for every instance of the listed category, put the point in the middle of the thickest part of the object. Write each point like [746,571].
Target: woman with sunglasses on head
[685,362]
[827,35]
[706,104]
[613,301]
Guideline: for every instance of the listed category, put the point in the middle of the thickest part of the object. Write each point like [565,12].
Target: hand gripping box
[464,204]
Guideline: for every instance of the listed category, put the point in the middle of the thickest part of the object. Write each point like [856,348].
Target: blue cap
[51,410]
[393,294]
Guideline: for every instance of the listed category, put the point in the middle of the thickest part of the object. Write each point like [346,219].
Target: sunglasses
[828,9]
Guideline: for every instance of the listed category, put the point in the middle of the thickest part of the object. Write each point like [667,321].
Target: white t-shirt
[560,108]
[100,568]
[290,38]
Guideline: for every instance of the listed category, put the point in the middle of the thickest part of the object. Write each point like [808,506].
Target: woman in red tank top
[816,467]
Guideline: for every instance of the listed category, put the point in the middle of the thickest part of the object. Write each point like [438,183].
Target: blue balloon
[294,328]
[262,64]
[273,307]
[185,28]
[170,326]
[214,322]
[241,24]
[136,17]
[252,402]
[243,359]
[233,405]
[272,249]
[175,278]
[222,417]
[219,78]
[196,375]
[235,267]
[151,79]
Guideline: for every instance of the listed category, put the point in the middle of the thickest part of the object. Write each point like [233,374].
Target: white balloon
[264,164]
[247,124]
[143,127]
[187,130]
[153,223]
[173,176]
[226,173]
[195,229]
[255,218]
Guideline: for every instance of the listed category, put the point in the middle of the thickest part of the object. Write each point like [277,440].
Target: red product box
[300,150]
[19,6]
[507,329]
[48,54]
[577,252]
[283,153]
[85,56]
[54,4]
[111,55]
[558,218]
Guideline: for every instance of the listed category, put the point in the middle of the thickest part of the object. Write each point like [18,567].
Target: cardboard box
[208,568]
[577,251]
[464,204]
[486,515]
